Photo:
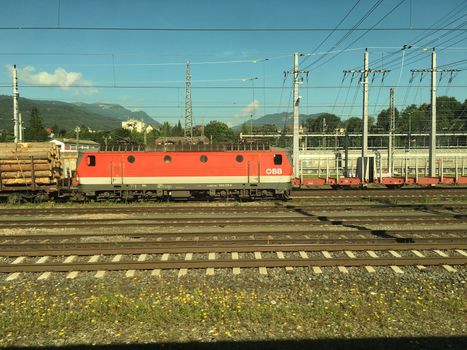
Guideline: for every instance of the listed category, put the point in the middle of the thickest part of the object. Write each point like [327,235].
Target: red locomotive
[164,175]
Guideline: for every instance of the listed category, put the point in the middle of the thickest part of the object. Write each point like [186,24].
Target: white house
[136,125]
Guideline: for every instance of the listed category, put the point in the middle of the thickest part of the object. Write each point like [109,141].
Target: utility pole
[188,106]
[296,113]
[392,127]
[253,110]
[77,131]
[432,154]
[17,125]
[364,79]
[21,129]
[365,107]
[433,70]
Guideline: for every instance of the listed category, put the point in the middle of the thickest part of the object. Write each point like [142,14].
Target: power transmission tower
[392,128]
[365,72]
[433,70]
[296,113]
[188,106]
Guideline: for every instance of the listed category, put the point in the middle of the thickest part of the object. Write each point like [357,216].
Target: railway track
[233,253]
[402,234]
[284,208]
[380,193]
[227,245]
[277,257]
[308,219]
[183,237]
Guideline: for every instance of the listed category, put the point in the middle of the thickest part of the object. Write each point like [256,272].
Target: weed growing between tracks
[246,307]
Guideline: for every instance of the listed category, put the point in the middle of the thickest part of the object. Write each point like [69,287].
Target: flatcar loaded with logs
[30,171]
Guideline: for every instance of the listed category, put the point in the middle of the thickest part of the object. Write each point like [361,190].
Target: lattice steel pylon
[188,106]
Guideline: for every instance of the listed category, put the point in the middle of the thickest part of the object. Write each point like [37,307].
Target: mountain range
[278,119]
[97,116]
[103,116]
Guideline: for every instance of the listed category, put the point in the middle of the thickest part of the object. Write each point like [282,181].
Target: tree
[35,130]
[165,130]
[447,111]
[384,117]
[414,119]
[245,129]
[220,132]
[120,135]
[324,123]
[55,130]
[353,124]
[266,129]
[178,130]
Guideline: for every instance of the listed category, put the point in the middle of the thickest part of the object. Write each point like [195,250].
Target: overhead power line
[363,34]
[332,32]
[350,31]
[150,29]
[202,87]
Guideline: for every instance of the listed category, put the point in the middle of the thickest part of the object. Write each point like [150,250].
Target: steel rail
[366,196]
[311,220]
[229,209]
[258,233]
[229,263]
[145,210]
[244,246]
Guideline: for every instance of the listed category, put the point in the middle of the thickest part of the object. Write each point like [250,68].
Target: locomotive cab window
[278,159]
[91,160]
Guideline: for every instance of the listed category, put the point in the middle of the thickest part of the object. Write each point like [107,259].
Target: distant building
[136,125]
[71,145]
[68,152]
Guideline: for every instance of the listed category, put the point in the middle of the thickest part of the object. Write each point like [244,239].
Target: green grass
[197,308]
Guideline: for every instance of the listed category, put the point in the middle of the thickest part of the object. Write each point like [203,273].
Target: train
[162,175]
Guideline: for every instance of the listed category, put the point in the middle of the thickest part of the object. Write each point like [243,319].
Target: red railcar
[156,175]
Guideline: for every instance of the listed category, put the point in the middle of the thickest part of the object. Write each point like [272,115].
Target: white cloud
[251,108]
[60,77]
[248,111]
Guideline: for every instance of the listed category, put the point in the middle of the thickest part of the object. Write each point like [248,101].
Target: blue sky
[145,69]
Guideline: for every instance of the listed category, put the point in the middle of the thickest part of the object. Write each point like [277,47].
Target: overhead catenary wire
[413,42]
[332,32]
[348,92]
[217,29]
[362,35]
[110,86]
[415,55]
[349,32]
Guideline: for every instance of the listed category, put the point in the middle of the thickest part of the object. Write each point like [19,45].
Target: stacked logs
[30,163]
